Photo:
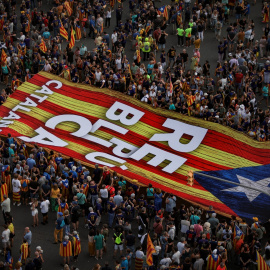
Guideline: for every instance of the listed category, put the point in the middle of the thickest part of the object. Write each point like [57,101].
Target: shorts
[120,247]
[187,38]
[74,219]
[34,196]
[35,212]
[5,244]
[44,214]
[24,194]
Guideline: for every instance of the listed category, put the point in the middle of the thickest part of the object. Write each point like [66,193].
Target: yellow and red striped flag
[63,32]
[179,18]
[3,56]
[42,46]
[112,3]
[72,39]
[165,14]
[68,8]
[239,154]
[29,17]
[261,262]
[27,30]
[78,32]
[150,250]
[119,1]
[147,28]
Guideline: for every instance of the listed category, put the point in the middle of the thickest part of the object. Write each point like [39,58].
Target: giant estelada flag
[143,143]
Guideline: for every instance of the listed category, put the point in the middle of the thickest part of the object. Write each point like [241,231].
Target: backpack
[146,47]
[118,239]
[62,224]
[24,185]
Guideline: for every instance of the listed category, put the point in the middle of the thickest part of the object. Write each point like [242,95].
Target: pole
[230,182]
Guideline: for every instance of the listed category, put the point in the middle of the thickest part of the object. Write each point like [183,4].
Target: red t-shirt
[238,77]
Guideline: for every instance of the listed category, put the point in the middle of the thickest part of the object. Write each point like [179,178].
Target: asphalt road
[43,235]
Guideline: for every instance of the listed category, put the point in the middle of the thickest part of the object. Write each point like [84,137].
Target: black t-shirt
[245,257]
[46,188]
[171,53]
[130,240]
[96,174]
[184,56]
[238,10]
[34,185]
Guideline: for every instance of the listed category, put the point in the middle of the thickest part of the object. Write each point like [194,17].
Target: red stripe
[213,138]
[132,137]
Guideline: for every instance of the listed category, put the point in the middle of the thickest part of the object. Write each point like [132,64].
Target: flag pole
[230,182]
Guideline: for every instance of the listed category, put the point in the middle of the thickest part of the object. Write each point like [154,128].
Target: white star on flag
[260,186]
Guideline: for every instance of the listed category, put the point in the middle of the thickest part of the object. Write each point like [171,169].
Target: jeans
[67,229]
[94,199]
[111,218]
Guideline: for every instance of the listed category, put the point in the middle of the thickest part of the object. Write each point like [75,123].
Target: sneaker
[14,203]
[96,258]
[18,204]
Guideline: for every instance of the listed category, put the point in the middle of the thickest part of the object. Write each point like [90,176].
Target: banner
[142,143]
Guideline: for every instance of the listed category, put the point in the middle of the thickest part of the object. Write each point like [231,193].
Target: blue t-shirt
[124,264]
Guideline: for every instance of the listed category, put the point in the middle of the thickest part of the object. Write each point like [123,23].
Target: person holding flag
[72,39]
[65,250]
[4,190]
[23,251]
[78,31]
[213,260]
[76,244]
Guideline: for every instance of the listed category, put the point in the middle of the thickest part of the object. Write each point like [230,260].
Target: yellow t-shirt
[197,43]
[54,193]
[11,227]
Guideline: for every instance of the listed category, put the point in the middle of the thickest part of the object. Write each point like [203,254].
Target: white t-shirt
[16,184]
[44,206]
[139,254]
[5,236]
[176,256]
[47,67]
[104,193]
[118,63]
[114,38]
[166,262]
[180,246]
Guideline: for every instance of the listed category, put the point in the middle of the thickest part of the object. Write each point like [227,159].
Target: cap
[12,145]
[38,248]
[255,219]
[66,237]
[205,94]
[215,251]
[75,232]
[230,54]
[60,213]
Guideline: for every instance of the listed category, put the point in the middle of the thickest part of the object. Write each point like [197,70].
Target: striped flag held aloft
[72,39]
[63,32]
[150,250]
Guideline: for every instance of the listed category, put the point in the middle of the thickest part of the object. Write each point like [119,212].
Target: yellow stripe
[203,151]
[28,131]
[189,120]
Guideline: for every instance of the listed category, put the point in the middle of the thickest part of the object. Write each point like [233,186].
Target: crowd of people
[118,216]
[233,93]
